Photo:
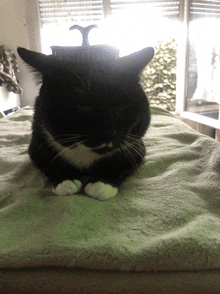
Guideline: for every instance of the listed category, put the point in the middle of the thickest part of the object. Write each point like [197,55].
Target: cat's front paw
[68,188]
[100,191]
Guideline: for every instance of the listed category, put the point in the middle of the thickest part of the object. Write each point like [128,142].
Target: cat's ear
[136,61]
[34,59]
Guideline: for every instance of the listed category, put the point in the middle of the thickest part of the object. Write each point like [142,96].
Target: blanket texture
[165,217]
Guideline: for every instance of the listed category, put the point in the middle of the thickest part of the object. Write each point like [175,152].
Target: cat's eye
[85,108]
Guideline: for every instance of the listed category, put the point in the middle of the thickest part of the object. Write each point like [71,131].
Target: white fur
[68,188]
[106,144]
[80,156]
[100,191]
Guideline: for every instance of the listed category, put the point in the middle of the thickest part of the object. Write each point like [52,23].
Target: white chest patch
[80,156]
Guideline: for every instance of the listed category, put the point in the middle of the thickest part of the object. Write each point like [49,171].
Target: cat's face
[98,104]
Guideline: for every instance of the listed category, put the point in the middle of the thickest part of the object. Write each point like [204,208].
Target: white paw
[100,191]
[68,188]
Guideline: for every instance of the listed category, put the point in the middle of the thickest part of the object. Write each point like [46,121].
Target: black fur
[95,102]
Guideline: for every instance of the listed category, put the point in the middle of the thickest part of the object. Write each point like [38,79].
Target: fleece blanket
[165,217]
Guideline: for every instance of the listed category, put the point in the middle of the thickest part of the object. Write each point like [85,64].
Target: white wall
[19,26]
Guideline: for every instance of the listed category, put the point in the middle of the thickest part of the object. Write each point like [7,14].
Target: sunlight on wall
[130,30]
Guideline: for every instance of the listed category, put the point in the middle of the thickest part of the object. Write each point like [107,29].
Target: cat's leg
[110,172]
[68,187]
[58,171]
[100,191]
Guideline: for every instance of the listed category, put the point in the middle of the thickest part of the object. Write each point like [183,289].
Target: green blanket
[165,217]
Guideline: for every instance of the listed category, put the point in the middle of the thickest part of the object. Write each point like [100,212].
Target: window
[129,20]
[58,15]
[203,62]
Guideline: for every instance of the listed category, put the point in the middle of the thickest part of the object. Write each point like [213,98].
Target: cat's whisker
[137,147]
[134,147]
[128,153]
[77,144]
[137,150]
[66,148]
[69,141]
[69,135]
[131,151]
[58,154]
[69,138]
[66,137]
[79,78]
[123,150]
[133,136]
[134,141]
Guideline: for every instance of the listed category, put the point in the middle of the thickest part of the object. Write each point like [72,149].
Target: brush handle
[85,33]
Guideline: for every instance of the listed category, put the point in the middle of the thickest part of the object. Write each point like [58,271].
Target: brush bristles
[85,54]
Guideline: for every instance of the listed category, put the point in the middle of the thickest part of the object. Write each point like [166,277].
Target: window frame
[183,75]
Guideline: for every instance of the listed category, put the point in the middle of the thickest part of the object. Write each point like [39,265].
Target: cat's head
[99,103]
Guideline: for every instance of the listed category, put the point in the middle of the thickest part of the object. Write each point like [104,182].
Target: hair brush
[85,52]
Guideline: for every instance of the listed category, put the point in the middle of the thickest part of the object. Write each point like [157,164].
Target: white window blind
[131,15]
[71,11]
[167,8]
[74,11]
[204,8]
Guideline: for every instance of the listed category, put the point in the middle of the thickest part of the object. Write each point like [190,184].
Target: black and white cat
[89,121]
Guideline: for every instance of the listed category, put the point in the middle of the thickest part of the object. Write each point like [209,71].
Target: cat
[89,120]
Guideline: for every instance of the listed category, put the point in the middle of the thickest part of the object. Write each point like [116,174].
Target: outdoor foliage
[159,77]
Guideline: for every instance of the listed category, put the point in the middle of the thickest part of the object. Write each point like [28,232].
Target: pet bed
[160,234]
